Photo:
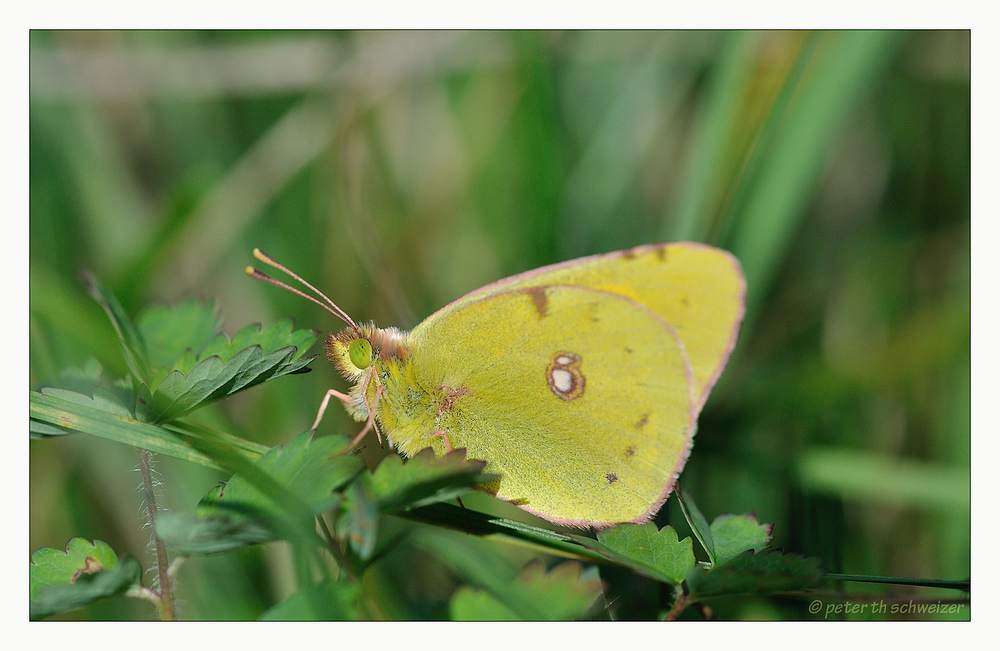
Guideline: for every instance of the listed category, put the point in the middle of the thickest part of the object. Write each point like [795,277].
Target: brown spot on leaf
[90,566]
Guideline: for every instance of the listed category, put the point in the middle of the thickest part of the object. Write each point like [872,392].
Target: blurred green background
[398,170]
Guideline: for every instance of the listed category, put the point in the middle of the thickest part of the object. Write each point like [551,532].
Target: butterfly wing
[579,398]
[698,289]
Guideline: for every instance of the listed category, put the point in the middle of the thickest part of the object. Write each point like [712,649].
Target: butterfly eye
[360,352]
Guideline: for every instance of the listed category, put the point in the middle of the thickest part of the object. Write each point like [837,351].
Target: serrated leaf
[532,594]
[84,573]
[424,479]
[763,573]
[180,366]
[225,367]
[477,605]
[657,549]
[565,592]
[734,534]
[326,601]
[698,523]
[170,332]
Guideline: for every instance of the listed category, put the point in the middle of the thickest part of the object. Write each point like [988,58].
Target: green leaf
[39,430]
[734,534]
[84,573]
[659,550]
[82,379]
[171,331]
[309,468]
[280,334]
[133,345]
[477,605]
[531,594]
[225,367]
[763,573]
[181,364]
[565,592]
[475,523]
[241,512]
[326,601]
[698,523]
[424,479]
[192,535]
[397,486]
[103,400]
[80,414]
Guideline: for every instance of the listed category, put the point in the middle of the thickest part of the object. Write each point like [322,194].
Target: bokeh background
[399,170]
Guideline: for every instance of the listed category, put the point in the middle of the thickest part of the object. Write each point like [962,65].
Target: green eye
[360,352]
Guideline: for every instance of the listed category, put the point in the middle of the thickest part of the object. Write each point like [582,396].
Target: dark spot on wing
[661,252]
[451,394]
[630,451]
[642,421]
[612,477]
[540,300]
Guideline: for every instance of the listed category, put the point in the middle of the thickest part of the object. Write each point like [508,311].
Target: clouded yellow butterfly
[578,383]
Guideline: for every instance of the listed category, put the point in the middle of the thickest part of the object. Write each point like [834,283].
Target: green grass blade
[845,66]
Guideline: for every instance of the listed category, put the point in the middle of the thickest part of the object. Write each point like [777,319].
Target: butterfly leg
[346,399]
[447,442]
[370,423]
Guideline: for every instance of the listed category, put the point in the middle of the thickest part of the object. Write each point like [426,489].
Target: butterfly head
[355,349]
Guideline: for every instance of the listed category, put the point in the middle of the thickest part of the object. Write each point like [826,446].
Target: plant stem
[683,599]
[166,603]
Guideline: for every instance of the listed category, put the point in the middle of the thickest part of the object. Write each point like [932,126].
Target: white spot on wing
[565,378]
[562,379]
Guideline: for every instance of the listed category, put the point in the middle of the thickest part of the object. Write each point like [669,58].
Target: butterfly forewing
[697,289]
[579,398]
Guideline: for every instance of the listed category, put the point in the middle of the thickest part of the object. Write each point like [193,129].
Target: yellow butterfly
[578,383]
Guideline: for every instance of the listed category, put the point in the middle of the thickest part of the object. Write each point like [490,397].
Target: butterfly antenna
[329,306]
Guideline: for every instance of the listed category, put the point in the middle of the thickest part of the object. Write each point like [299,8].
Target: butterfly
[579,383]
